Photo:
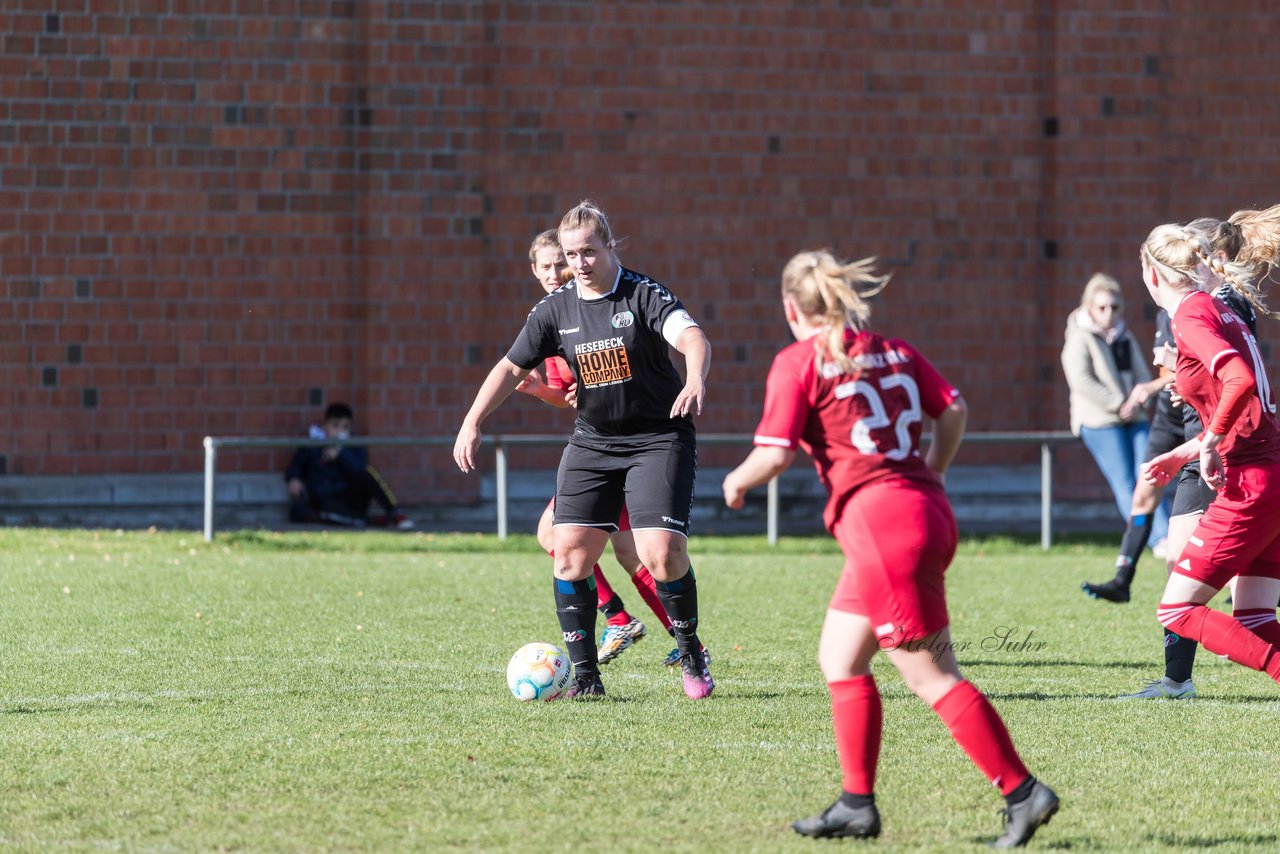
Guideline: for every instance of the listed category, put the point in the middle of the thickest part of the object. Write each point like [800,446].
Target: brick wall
[217,215]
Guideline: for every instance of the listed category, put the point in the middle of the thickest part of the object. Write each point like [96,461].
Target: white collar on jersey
[595,296]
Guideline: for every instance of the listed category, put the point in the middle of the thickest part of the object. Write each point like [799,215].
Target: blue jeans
[1118,451]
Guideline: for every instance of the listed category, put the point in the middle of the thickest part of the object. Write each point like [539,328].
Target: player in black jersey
[1240,261]
[1164,435]
[633,440]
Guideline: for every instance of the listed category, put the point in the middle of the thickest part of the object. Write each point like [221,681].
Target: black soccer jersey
[615,347]
[1164,403]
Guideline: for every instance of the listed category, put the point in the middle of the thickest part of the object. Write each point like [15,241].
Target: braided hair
[1246,262]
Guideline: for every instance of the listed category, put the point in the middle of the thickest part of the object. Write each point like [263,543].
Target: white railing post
[771,512]
[501,453]
[1046,495]
[210,466]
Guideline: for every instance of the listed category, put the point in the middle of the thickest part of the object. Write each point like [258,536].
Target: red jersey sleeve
[787,400]
[1238,389]
[558,374]
[936,394]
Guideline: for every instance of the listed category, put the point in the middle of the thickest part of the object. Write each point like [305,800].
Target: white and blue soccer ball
[538,671]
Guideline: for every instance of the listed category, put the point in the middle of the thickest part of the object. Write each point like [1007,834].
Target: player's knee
[668,566]
[546,541]
[546,535]
[839,660]
[837,668]
[931,685]
[628,558]
[569,569]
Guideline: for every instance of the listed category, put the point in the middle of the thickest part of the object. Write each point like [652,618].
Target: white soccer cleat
[1163,688]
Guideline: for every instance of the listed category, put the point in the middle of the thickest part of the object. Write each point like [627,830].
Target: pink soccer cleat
[698,683]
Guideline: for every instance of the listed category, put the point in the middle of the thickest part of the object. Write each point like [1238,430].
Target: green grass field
[343,692]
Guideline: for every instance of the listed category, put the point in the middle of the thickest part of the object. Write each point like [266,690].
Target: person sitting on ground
[335,483]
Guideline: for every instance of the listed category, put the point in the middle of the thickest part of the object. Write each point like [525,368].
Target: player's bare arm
[1160,470]
[762,465]
[696,349]
[948,431]
[534,386]
[1211,468]
[497,387]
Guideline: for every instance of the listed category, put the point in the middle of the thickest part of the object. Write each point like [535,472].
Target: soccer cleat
[1163,688]
[1021,820]
[618,638]
[1113,591]
[585,687]
[698,683]
[839,821]
[673,657]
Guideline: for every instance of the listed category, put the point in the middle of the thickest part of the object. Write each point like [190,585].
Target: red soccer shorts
[898,537]
[1240,532]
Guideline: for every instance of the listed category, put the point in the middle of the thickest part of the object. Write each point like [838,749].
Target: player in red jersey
[1220,373]
[854,401]
[1247,239]
[622,630]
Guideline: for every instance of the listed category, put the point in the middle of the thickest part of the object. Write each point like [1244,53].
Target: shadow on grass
[366,541]
[1041,695]
[1079,843]
[1052,662]
[738,694]
[1177,840]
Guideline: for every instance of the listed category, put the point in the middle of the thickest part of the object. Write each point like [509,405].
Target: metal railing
[1046,439]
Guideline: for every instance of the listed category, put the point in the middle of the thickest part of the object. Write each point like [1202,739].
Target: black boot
[1023,818]
[840,820]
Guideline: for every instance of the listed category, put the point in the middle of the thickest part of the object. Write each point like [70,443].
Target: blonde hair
[1248,241]
[1260,232]
[1178,252]
[1098,283]
[835,291]
[585,214]
[1256,255]
[549,239]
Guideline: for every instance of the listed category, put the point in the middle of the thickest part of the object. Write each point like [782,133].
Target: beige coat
[1097,389]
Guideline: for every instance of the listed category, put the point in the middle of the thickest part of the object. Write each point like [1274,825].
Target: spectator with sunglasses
[1111,386]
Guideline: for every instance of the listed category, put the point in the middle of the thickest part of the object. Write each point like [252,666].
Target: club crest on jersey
[623,319]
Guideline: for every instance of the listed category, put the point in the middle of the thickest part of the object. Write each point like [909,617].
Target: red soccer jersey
[858,427]
[558,373]
[1207,331]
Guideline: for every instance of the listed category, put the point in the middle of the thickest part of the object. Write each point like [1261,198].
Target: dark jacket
[326,479]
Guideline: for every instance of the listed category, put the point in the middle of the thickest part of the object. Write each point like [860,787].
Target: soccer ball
[538,671]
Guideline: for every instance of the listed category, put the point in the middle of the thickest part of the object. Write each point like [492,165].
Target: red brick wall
[215,214]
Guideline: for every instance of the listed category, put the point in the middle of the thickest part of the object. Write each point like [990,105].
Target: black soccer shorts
[1164,435]
[1192,495]
[654,479]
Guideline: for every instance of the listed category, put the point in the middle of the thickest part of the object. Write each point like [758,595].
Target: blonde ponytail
[1249,240]
[833,294]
